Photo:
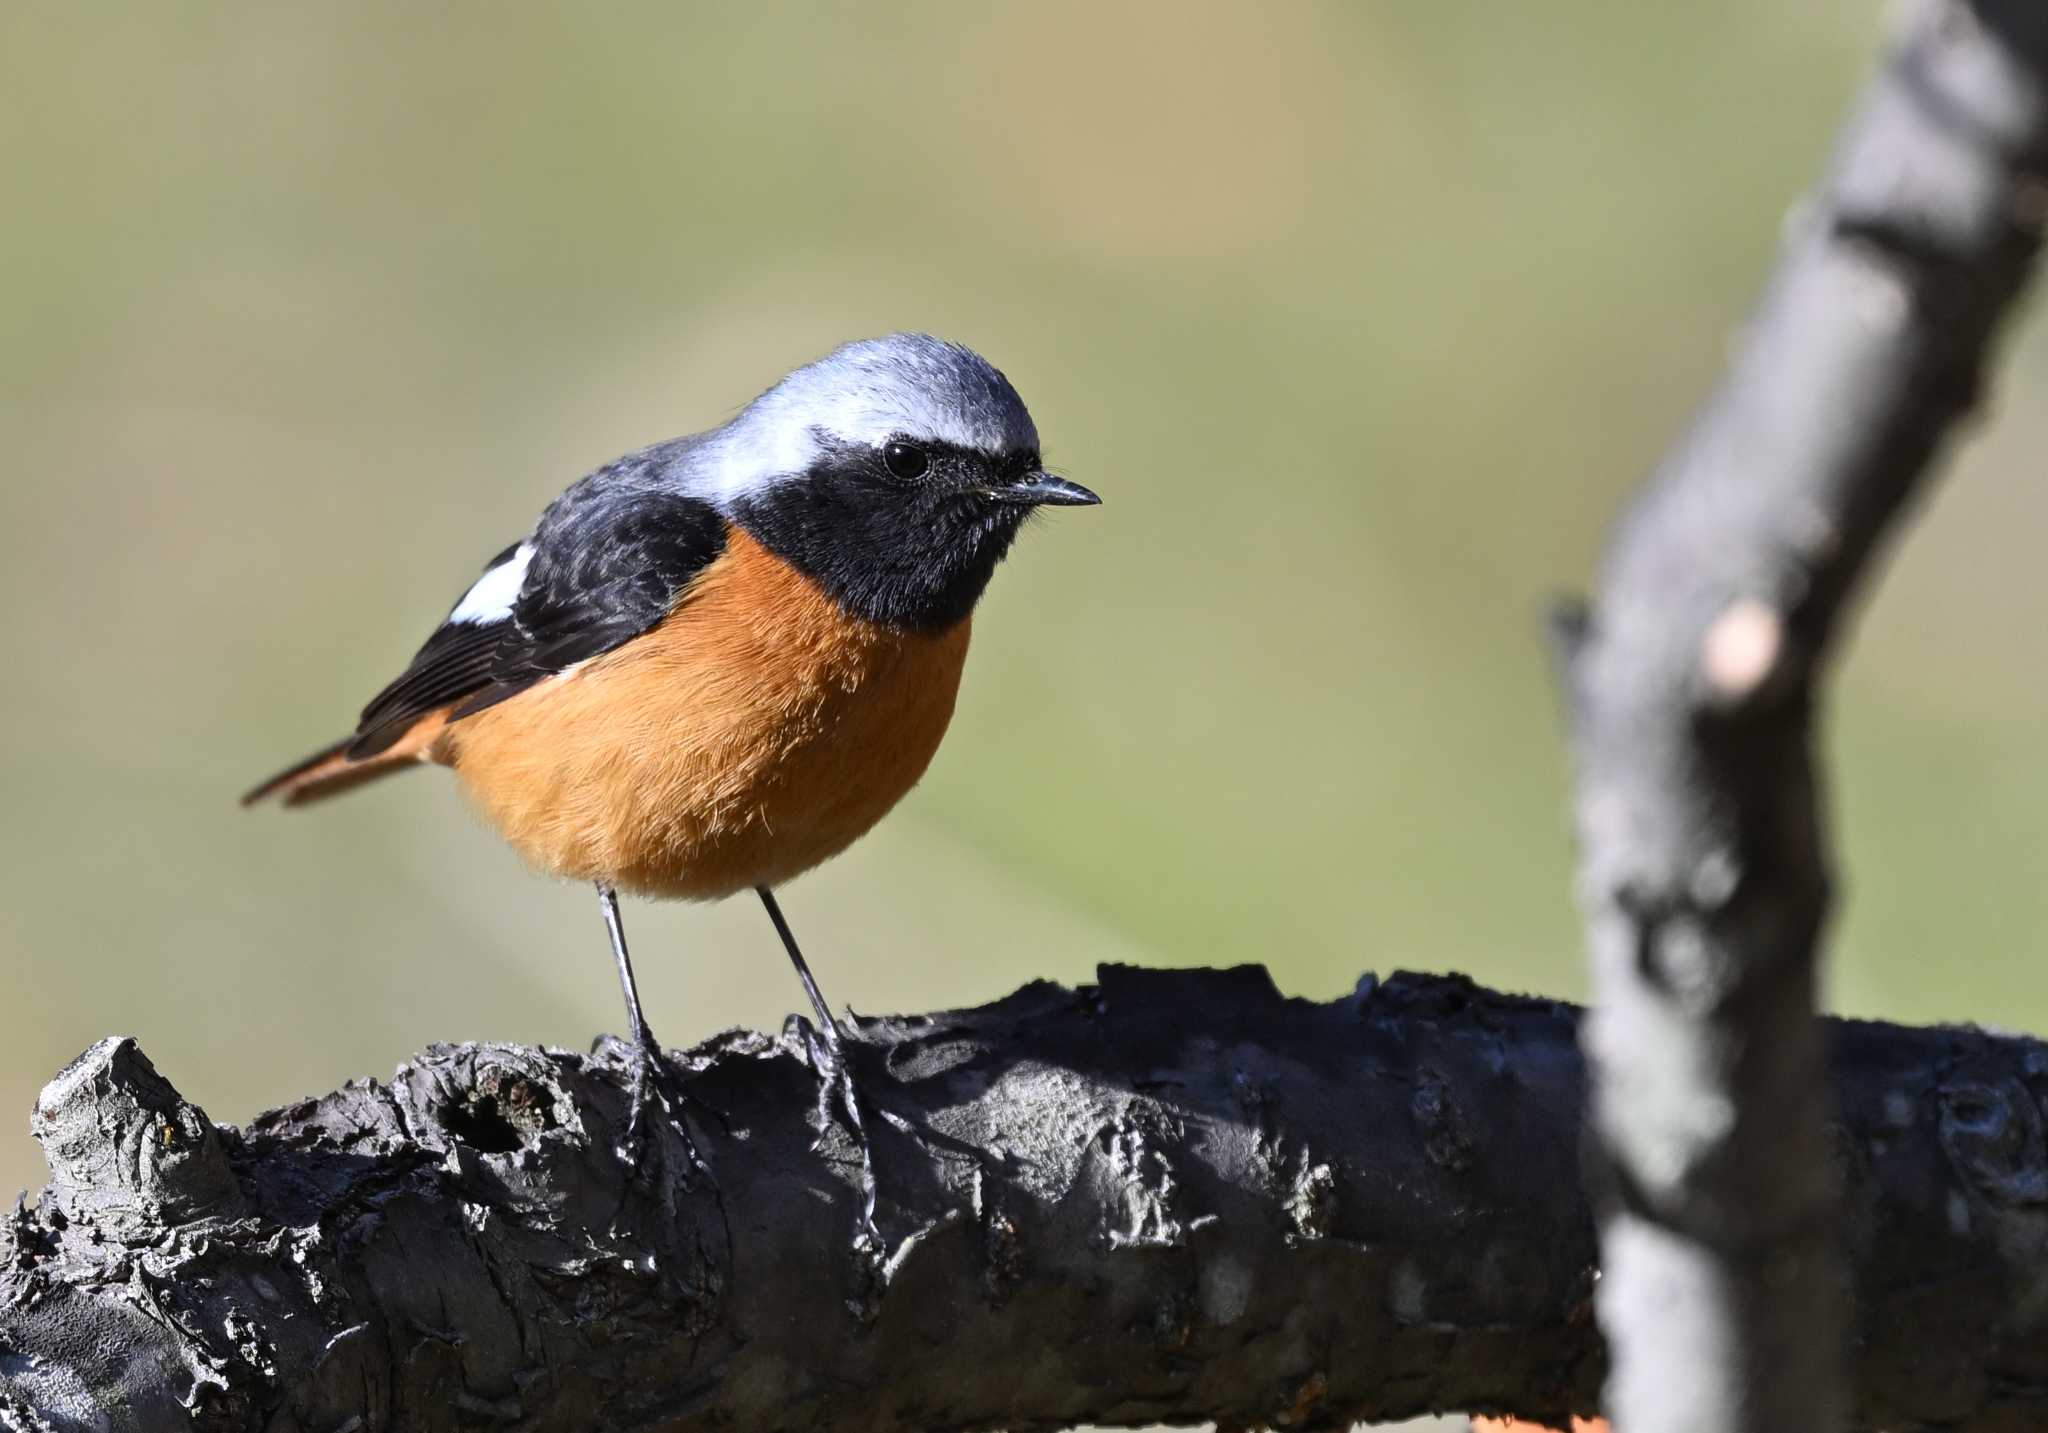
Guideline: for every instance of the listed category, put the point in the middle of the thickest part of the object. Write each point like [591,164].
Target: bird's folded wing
[608,560]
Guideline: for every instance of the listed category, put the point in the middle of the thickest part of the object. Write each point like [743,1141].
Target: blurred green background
[1361,317]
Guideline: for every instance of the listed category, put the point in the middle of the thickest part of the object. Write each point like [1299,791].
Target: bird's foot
[835,1079]
[650,1104]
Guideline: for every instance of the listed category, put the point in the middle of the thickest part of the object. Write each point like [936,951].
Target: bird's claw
[648,1103]
[835,1078]
[832,1080]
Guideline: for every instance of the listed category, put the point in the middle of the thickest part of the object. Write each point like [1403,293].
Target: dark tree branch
[1175,1197]
[1692,685]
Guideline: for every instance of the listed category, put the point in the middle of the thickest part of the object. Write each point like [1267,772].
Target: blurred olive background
[1361,317]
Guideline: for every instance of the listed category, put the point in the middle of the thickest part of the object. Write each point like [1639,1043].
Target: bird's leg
[644,1088]
[836,1075]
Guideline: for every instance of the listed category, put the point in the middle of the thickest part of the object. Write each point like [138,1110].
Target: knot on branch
[126,1151]
[1992,1133]
[1743,648]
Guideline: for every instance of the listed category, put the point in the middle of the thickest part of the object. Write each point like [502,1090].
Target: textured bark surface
[1172,1197]
[1692,684]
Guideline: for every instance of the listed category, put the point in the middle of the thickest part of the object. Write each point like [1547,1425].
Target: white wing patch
[491,599]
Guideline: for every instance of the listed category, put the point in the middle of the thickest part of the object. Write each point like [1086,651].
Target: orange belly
[757,731]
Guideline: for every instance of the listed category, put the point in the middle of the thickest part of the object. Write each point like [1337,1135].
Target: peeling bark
[1172,1197]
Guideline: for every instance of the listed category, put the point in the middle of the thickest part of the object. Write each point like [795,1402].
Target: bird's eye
[906,460]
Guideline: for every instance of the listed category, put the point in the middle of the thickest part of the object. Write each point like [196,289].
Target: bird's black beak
[1044,490]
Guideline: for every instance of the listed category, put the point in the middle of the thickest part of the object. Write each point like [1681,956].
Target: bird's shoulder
[620,541]
[607,560]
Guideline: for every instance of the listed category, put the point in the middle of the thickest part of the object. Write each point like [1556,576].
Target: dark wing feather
[610,558]
[456,660]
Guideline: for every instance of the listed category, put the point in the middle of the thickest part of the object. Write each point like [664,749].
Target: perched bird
[720,660]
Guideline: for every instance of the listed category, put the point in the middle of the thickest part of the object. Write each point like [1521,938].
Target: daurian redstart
[720,660]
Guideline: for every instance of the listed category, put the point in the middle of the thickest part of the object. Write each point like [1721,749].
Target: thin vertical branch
[1692,686]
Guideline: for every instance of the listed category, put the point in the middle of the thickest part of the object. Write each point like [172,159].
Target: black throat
[911,555]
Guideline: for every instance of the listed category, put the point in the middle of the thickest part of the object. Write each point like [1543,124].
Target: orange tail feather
[330,771]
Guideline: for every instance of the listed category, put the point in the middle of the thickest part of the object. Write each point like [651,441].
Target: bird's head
[894,472]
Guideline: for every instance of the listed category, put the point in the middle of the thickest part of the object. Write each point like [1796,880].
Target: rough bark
[1692,689]
[1172,1197]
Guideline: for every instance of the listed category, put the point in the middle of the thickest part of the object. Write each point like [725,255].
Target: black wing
[607,562]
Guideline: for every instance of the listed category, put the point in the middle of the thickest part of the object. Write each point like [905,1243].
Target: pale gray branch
[1692,684]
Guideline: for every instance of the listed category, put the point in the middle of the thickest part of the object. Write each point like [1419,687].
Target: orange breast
[756,732]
